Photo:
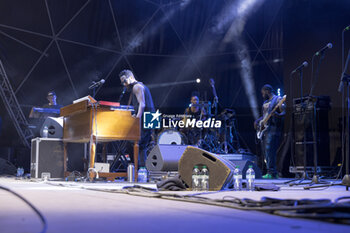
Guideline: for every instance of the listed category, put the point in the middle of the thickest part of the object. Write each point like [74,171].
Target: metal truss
[16,114]
[125,51]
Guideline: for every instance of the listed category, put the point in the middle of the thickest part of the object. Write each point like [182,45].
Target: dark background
[65,45]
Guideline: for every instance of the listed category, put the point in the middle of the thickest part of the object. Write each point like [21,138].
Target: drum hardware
[171,137]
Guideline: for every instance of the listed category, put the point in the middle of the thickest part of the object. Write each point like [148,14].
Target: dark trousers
[143,144]
[270,144]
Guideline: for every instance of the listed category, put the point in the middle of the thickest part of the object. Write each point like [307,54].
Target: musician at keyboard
[52,98]
[141,98]
[39,114]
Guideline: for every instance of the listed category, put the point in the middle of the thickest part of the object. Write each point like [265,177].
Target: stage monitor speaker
[164,157]
[244,165]
[244,161]
[220,170]
[7,168]
[55,127]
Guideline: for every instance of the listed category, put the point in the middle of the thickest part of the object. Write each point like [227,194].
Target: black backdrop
[63,45]
[309,26]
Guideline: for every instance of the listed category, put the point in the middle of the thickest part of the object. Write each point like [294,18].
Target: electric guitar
[263,124]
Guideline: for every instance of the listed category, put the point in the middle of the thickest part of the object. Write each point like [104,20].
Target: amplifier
[308,103]
[47,157]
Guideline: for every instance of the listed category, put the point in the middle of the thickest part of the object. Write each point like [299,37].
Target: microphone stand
[216,99]
[302,111]
[93,88]
[345,80]
[315,178]
[94,85]
[122,94]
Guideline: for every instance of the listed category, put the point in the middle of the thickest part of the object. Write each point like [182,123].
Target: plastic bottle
[205,179]
[237,179]
[142,175]
[196,179]
[19,171]
[250,176]
[145,175]
[45,132]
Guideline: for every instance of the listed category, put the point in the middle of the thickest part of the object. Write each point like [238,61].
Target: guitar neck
[272,112]
[274,109]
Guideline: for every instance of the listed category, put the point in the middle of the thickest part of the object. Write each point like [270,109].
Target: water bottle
[142,175]
[131,173]
[45,132]
[19,170]
[205,179]
[196,181]
[250,176]
[145,173]
[237,179]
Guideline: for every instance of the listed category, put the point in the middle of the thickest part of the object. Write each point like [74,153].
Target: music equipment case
[47,157]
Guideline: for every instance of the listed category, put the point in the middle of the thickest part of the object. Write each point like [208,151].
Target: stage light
[277,60]
[157,85]
[237,14]
[198,80]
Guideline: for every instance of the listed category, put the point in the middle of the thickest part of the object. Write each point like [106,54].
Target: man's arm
[184,119]
[257,121]
[140,96]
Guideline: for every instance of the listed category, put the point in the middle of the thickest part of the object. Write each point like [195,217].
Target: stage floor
[71,208]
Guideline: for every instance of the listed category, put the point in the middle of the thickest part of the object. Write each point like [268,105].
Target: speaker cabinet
[164,157]
[220,170]
[244,165]
[47,157]
[312,111]
[54,126]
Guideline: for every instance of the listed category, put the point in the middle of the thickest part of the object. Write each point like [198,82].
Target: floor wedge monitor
[220,170]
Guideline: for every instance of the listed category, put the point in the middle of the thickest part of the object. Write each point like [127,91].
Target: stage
[74,207]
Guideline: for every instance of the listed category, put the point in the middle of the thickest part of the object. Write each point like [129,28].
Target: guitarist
[272,136]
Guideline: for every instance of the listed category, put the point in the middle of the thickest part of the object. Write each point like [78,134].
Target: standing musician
[142,101]
[272,136]
[195,110]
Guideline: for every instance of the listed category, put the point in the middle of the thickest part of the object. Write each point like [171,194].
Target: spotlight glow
[198,80]
[237,14]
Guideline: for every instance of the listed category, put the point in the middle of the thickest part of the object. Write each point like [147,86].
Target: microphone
[328,46]
[305,64]
[96,84]
[122,94]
